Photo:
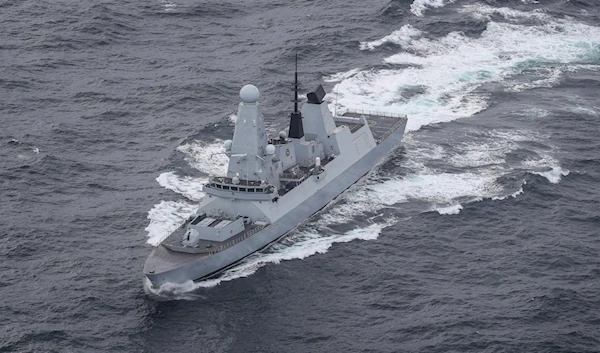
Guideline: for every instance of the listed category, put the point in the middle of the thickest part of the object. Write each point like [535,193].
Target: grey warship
[273,184]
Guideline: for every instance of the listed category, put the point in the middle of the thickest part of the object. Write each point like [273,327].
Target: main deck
[381,124]
[207,247]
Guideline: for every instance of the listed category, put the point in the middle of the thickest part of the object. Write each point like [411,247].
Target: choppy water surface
[479,234]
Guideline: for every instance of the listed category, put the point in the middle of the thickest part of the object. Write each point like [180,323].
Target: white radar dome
[270,149]
[249,94]
[282,135]
[228,145]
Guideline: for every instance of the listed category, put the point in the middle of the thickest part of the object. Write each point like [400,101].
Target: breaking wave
[440,77]
[189,187]
[418,7]
[401,37]
[553,175]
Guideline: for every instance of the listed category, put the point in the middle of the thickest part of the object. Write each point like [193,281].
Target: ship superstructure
[273,183]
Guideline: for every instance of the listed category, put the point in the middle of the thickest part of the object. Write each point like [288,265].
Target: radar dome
[228,145]
[270,149]
[235,180]
[249,94]
[282,135]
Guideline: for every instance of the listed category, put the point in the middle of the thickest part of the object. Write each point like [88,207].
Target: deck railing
[387,133]
[375,113]
[234,241]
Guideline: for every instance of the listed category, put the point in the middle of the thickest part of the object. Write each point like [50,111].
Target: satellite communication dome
[249,94]
[228,145]
[235,180]
[270,149]
[282,135]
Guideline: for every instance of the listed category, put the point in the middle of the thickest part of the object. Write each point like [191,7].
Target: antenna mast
[296,128]
[296,86]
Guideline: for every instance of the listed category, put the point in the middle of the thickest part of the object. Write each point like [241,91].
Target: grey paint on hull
[199,267]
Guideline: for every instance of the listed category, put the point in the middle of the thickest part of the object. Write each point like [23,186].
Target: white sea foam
[486,11]
[423,184]
[208,158]
[586,110]
[476,154]
[418,7]
[165,217]
[449,210]
[169,6]
[547,166]
[540,162]
[553,175]
[173,291]
[491,148]
[450,69]
[481,162]
[402,37]
[341,75]
[513,195]
[535,113]
[550,78]
[186,186]
[440,188]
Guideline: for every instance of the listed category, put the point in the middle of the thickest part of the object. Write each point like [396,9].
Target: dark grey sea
[480,234]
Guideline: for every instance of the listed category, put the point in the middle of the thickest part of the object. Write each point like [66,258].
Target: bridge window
[243,189]
[234,188]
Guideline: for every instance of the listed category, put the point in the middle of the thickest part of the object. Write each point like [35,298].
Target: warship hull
[164,265]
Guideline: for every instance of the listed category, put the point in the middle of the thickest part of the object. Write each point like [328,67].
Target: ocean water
[480,234]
